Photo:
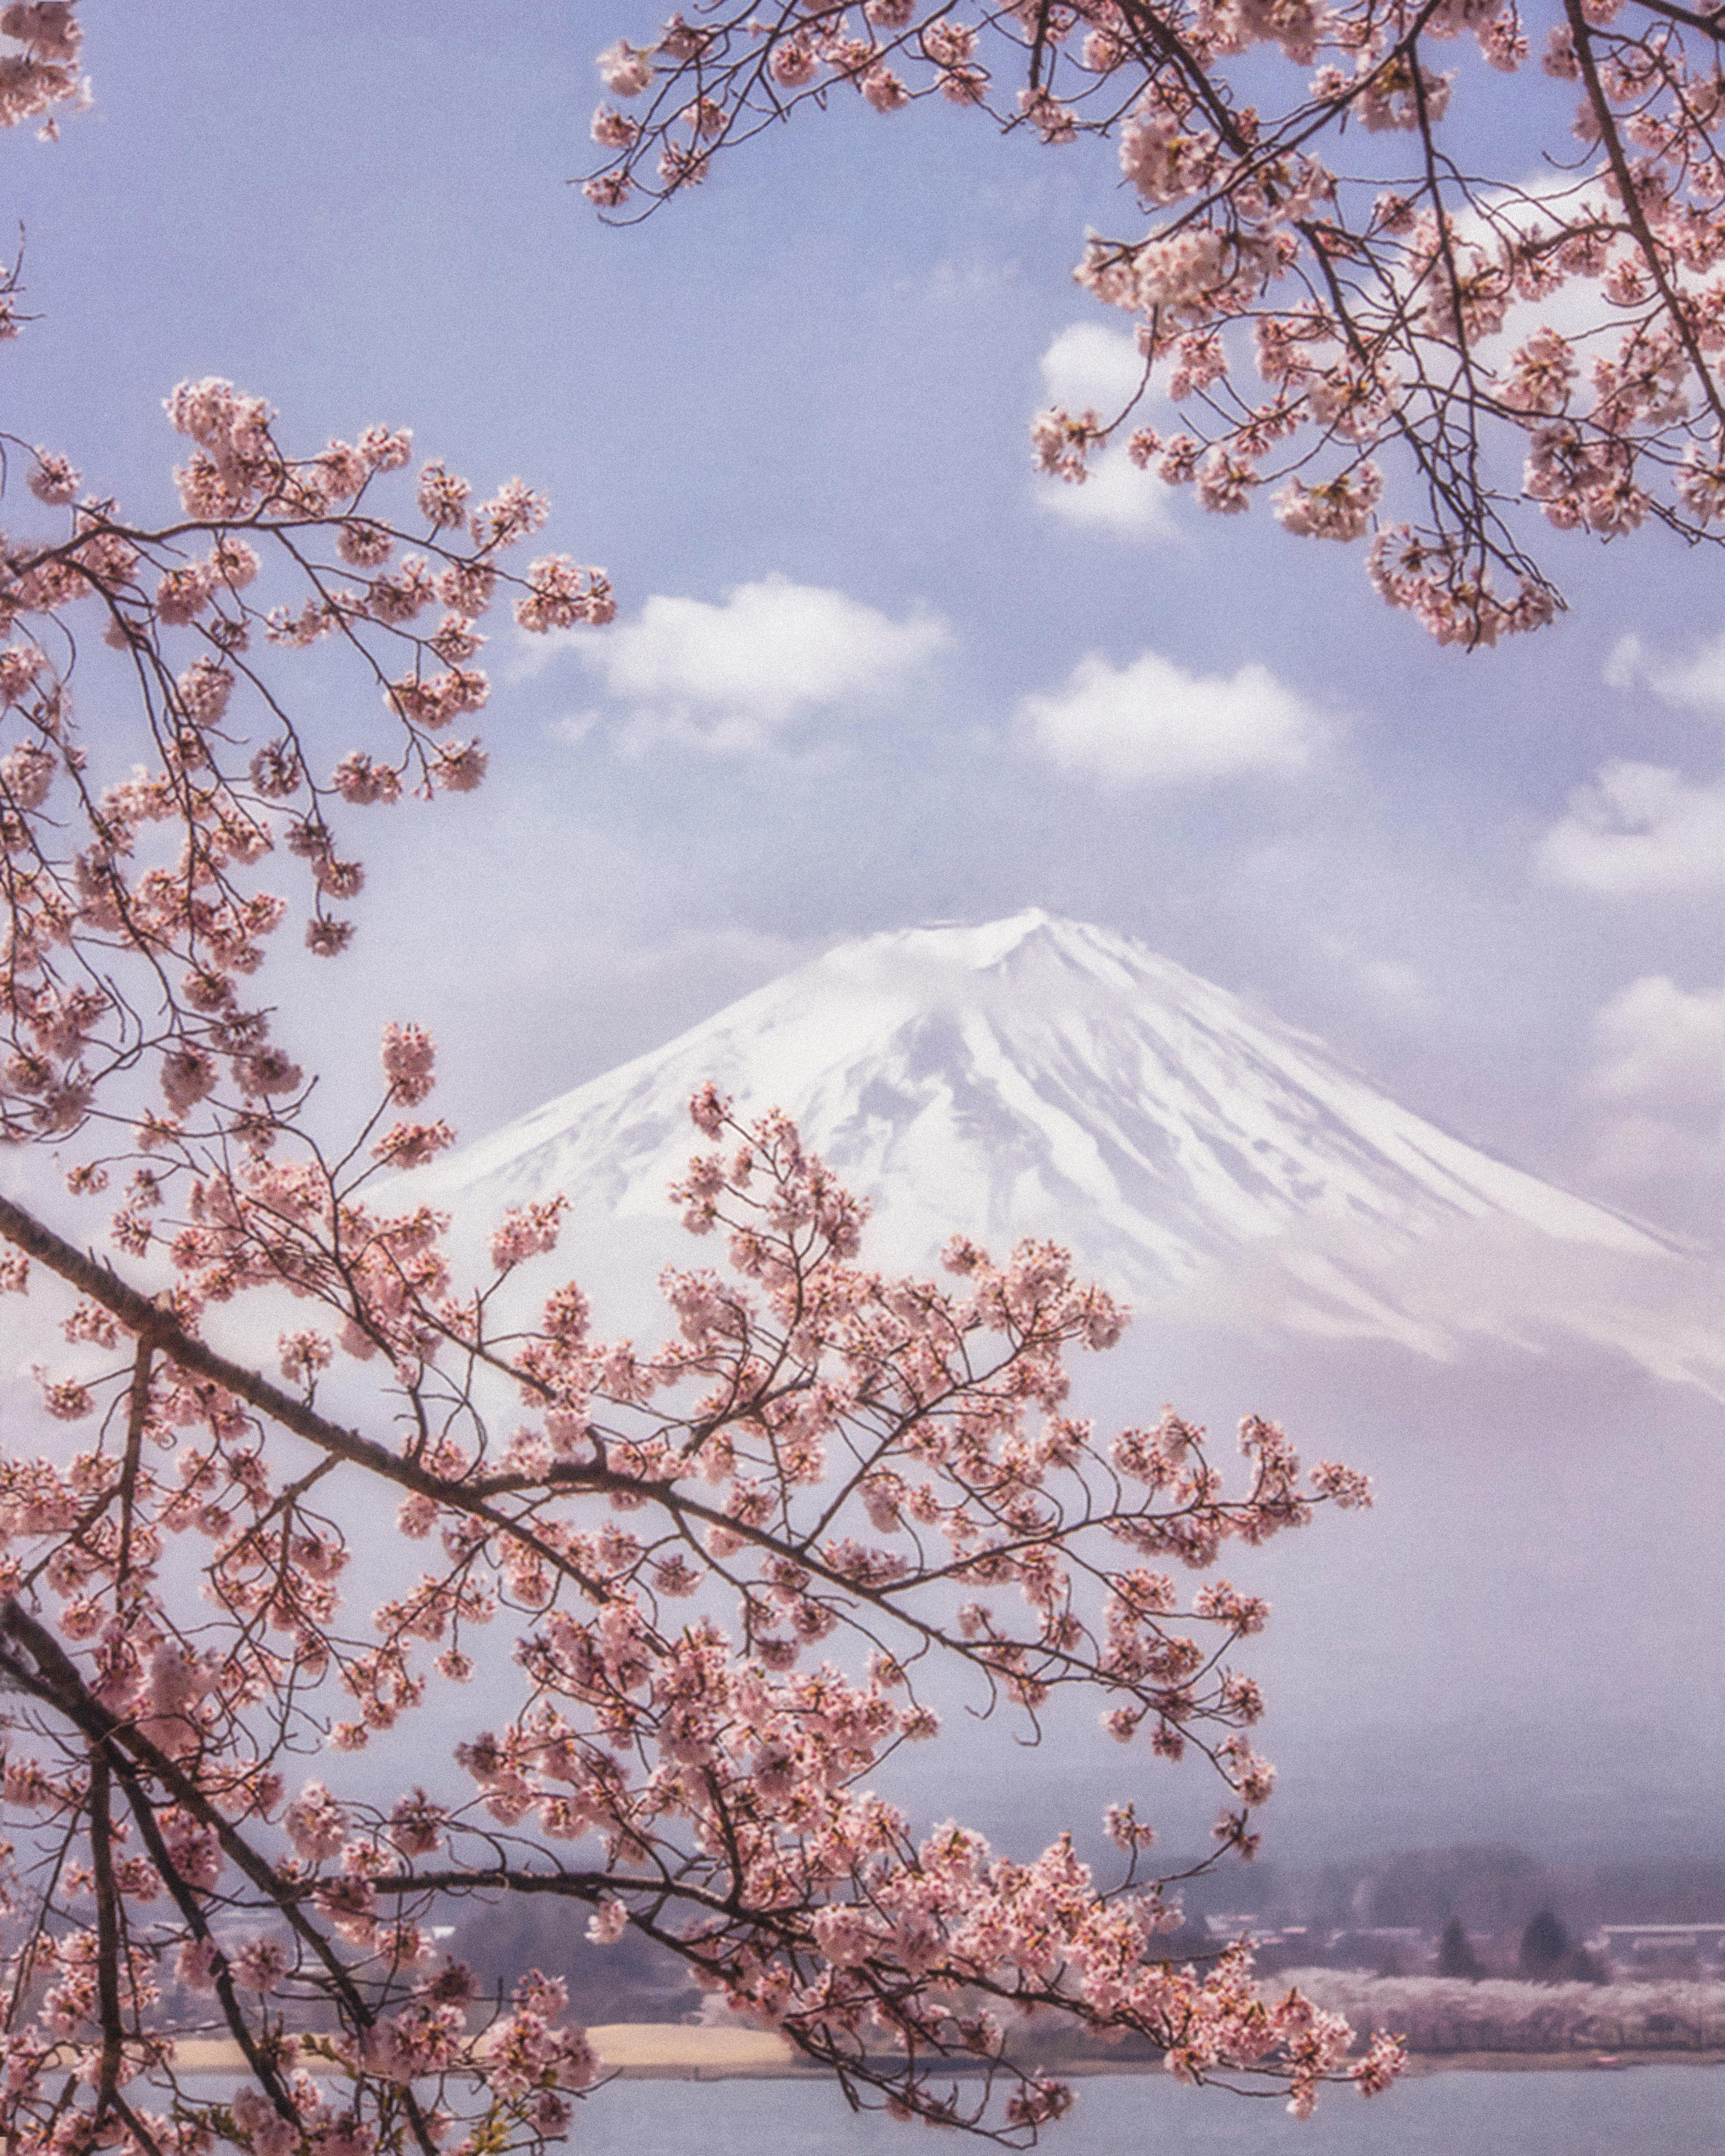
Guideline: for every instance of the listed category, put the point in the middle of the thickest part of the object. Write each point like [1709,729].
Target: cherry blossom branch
[817,1454]
[1243,205]
[1628,194]
[156,1327]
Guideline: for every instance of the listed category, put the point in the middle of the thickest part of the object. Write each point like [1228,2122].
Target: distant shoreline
[671,2050]
[1420,2063]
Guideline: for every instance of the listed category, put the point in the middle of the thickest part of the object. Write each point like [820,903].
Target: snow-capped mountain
[1040,1076]
[1486,1654]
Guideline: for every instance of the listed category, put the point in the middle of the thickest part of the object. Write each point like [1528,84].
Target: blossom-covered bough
[1344,310]
[724,1571]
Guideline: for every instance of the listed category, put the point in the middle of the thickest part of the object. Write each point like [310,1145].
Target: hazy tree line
[1445,2014]
[1489,1913]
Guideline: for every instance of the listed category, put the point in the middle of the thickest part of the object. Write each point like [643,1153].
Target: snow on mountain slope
[1040,1076]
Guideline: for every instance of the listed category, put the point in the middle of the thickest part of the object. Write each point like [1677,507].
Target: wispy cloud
[1638,828]
[735,674]
[1089,363]
[1695,683]
[1662,1046]
[1659,1071]
[1153,724]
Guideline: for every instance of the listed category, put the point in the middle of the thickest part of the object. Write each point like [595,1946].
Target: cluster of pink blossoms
[1327,331]
[187,928]
[43,72]
[728,1562]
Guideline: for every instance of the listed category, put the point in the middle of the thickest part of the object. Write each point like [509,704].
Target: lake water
[1646,2111]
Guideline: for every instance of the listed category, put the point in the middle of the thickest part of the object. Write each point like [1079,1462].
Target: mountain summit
[1041,1076]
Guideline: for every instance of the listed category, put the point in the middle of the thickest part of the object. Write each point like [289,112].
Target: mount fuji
[1039,1076]
[1521,1639]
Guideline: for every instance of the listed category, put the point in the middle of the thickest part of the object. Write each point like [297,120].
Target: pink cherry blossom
[723,1559]
[1379,316]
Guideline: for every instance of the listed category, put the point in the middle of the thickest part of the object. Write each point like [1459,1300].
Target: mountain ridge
[1035,1075]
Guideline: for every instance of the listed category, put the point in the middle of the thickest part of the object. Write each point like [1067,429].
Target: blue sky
[868,670]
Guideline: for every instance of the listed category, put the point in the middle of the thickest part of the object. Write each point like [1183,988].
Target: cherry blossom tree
[729,1566]
[1344,310]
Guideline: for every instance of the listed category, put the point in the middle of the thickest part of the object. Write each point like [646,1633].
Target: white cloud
[1698,682]
[730,676]
[1624,667]
[1089,363]
[1660,1063]
[1153,724]
[1091,366]
[1116,497]
[1638,827]
[1662,1046]
[1695,684]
